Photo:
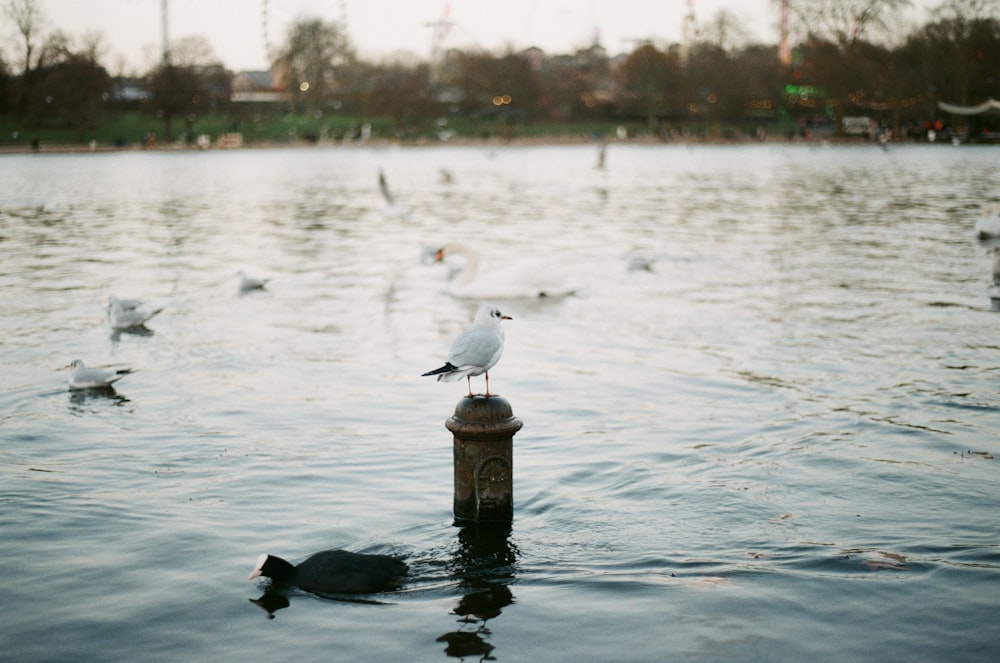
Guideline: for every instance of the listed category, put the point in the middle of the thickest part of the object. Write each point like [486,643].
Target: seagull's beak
[439,255]
[506,317]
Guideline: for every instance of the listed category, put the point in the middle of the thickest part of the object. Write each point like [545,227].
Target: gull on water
[127,304]
[128,313]
[81,377]
[476,350]
[248,283]
[988,225]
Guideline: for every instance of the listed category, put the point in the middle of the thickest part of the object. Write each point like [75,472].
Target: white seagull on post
[476,350]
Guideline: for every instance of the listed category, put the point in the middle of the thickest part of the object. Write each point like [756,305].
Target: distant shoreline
[75,148]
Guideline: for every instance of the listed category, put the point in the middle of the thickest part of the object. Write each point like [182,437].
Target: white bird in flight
[128,313]
[476,350]
[81,377]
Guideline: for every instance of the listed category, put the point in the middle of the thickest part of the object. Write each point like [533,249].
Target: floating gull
[128,313]
[476,350]
[518,281]
[126,304]
[640,264]
[334,572]
[988,225]
[81,377]
[248,283]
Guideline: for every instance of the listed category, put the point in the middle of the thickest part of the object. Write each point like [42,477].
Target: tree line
[850,60]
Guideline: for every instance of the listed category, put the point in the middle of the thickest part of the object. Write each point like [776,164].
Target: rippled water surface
[775,445]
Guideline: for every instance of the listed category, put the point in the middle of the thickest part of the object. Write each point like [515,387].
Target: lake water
[775,445]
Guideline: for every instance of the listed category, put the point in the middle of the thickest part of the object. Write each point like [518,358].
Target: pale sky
[235,28]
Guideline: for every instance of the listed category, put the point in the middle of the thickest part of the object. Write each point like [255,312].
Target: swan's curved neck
[471,266]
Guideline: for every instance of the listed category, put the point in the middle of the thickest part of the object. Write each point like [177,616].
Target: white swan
[520,281]
[988,225]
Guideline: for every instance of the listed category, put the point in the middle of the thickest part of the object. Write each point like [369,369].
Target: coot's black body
[335,572]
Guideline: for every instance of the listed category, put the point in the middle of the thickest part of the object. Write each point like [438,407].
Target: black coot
[334,572]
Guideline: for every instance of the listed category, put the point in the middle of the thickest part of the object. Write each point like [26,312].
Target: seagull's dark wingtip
[447,368]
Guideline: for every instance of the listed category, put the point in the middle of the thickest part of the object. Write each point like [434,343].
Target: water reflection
[483,604]
[79,398]
[812,339]
[274,599]
[271,602]
[142,330]
[485,561]
[465,643]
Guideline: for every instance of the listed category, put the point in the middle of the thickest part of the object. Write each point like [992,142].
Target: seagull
[988,225]
[248,283]
[640,264]
[81,377]
[476,350]
[127,304]
[128,313]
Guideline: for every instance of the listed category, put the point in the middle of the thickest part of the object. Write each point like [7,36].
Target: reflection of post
[485,560]
[484,430]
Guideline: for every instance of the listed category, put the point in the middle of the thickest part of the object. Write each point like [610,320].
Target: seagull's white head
[490,314]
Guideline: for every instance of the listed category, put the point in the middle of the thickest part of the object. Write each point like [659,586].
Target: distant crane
[784,50]
[164,34]
[441,28]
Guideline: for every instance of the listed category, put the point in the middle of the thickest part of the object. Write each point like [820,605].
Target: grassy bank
[131,129]
[135,129]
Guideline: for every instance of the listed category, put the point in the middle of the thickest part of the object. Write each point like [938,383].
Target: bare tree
[189,83]
[652,84]
[846,21]
[840,32]
[28,20]
[960,50]
[967,10]
[72,86]
[310,60]
[725,30]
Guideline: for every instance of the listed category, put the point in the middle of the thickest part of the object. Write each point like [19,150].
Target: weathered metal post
[484,428]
